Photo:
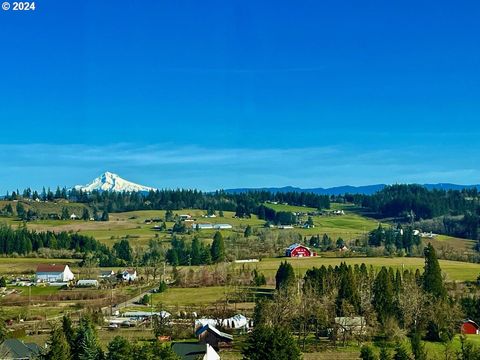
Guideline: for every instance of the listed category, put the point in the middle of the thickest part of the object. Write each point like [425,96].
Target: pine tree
[65,214]
[384,354]
[248,231]
[67,330]
[271,343]
[217,249]
[432,275]
[195,253]
[366,353]
[285,276]
[119,349]
[418,349]
[86,342]
[85,214]
[58,347]
[383,296]
[400,353]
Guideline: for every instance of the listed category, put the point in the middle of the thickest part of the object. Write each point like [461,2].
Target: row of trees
[243,204]
[400,238]
[81,343]
[391,302]
[197,253]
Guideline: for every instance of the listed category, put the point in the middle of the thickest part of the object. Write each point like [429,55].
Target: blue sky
[221,94]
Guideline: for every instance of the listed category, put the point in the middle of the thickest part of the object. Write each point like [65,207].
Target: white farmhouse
[129,275]
[53,273]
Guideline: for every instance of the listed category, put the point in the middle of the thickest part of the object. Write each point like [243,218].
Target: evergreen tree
[105,216]
[123,250]
[384,354]
[383,296]
[21,213]
[58,347]
[418,349]
[86,342]
[285,276]
[366,353]
[85,214]
[65,214]
[248,231]
[432,275]
[196,252]
[217,249]
[271,343]
[400,353]
[68,331]
[119,349]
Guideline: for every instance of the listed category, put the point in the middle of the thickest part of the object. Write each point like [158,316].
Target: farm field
[454,270]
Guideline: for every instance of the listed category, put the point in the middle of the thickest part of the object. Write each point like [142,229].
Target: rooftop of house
[51,268]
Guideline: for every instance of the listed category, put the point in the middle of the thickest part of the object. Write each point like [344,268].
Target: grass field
[454,270]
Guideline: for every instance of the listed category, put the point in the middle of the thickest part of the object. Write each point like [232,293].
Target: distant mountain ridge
[339,190]
[112,182]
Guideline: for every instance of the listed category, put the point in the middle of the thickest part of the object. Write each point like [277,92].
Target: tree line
[385,303]
[243,204]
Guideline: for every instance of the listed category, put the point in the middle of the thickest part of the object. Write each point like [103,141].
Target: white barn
[53,273]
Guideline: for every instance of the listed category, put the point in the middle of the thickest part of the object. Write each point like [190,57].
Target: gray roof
[15,349]
[213,329]
[189,351]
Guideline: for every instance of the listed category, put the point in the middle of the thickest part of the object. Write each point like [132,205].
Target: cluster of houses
[61,275]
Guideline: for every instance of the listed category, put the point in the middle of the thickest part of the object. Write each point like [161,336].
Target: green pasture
[454,270]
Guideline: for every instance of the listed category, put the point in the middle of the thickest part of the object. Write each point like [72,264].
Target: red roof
[50,268]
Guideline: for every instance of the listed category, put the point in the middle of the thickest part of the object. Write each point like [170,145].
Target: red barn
[470,327]
[298,250]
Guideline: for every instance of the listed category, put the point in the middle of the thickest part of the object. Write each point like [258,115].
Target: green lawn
[190,296]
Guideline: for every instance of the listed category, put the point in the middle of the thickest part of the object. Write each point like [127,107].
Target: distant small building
[53,273]
[14,349]
[222,226]
[355,325]
[203,226]
[107,274]
[74,217]
[87,283]
[470,327]
[129,275]
[298,250]
[185,217]
[209,334]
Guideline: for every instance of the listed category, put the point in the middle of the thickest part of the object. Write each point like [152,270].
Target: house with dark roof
[194,351]
[14,349]
[209,334]
[53,273]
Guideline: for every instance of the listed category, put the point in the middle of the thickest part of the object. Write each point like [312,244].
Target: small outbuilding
[470,327]
[87,283]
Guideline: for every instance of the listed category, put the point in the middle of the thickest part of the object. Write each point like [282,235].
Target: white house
[53,273]
[74,217]
[129,275]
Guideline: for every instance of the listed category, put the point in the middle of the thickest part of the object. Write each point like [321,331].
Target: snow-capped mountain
[112,182]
